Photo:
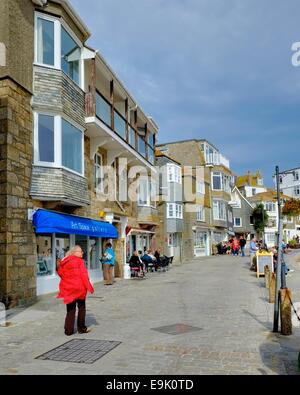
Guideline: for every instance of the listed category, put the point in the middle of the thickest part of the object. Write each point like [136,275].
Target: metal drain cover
[80,351]
[177,329]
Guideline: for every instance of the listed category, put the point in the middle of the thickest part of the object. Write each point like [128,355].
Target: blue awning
[50,222]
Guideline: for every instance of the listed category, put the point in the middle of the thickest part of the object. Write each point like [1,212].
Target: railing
[120,125]
[131,137]
[101,107]
[224,161]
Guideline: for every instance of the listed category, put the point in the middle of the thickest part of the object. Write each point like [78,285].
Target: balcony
[224,161]
[147,215]
[109,129]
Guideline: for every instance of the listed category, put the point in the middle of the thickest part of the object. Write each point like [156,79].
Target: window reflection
[45,260]
[70,56]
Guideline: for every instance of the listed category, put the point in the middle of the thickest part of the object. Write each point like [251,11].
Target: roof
[249,180]
[267,196]
[235,189]
[70,10]
[189,140]
[177,142]
[159,154]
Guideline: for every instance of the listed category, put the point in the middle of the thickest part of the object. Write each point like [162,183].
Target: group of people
[142,262]
[235,246]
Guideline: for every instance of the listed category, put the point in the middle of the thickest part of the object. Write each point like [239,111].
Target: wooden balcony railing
[96,105]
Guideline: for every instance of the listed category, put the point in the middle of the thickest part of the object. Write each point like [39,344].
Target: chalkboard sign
[263,259]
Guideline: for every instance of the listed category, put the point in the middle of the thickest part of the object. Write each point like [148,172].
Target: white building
[289,182]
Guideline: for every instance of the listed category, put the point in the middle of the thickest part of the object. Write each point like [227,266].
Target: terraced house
[73,143]
[207,214]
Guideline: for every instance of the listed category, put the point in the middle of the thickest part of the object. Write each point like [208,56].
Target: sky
[214,69]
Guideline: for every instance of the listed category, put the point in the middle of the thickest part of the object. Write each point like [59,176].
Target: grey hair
[72,250]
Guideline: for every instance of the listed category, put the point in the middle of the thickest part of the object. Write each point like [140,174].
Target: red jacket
[235,245]
[74,282]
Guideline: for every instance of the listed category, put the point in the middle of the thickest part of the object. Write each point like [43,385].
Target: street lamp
[280,269]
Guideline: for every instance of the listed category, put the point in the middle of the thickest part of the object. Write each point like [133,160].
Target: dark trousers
[70,317]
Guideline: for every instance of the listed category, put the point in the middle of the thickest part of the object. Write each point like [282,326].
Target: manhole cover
[80,351]
[176,329]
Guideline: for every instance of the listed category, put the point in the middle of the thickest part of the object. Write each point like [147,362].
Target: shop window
[45,259]
[62,246]
[94,253]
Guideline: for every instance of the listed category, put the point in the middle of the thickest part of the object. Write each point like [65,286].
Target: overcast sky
[214,69]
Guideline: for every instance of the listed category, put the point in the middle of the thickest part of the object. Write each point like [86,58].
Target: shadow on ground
[280,355]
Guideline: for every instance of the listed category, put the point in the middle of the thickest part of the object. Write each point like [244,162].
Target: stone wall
[55,91]
[17,241]
[58,184]
[17,34]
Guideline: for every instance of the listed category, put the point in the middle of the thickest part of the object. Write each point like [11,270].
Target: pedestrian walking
[108,260]
[73,288]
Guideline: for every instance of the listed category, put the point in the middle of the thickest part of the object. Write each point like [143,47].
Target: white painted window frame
[213,174]
[58,23]
[234,222]
[200,187]
[218,203]
[57,141]
[200,213]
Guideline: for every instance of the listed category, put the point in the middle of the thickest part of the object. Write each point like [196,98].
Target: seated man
[148,259]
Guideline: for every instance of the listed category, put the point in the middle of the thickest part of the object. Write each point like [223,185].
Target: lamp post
[279,258]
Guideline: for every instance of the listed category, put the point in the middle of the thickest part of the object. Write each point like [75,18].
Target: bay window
[56,46]
[45,41]
[174,210]
[219,210]
[71,147]
[174,173]
[70,56]
[58,143]
[46,135]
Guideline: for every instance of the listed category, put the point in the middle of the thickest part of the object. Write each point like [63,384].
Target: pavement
[225,303]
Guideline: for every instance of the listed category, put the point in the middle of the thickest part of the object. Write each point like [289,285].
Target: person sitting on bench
[136,264]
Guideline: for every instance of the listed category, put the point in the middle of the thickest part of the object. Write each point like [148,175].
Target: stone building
[242,214]
[196,236]
[221,185]
[208,218]
[170,207]
[71,137]
[250,184]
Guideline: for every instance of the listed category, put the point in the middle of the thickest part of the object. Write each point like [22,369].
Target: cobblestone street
[218,295]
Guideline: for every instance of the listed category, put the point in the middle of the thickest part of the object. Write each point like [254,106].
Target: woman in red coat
[73,288]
